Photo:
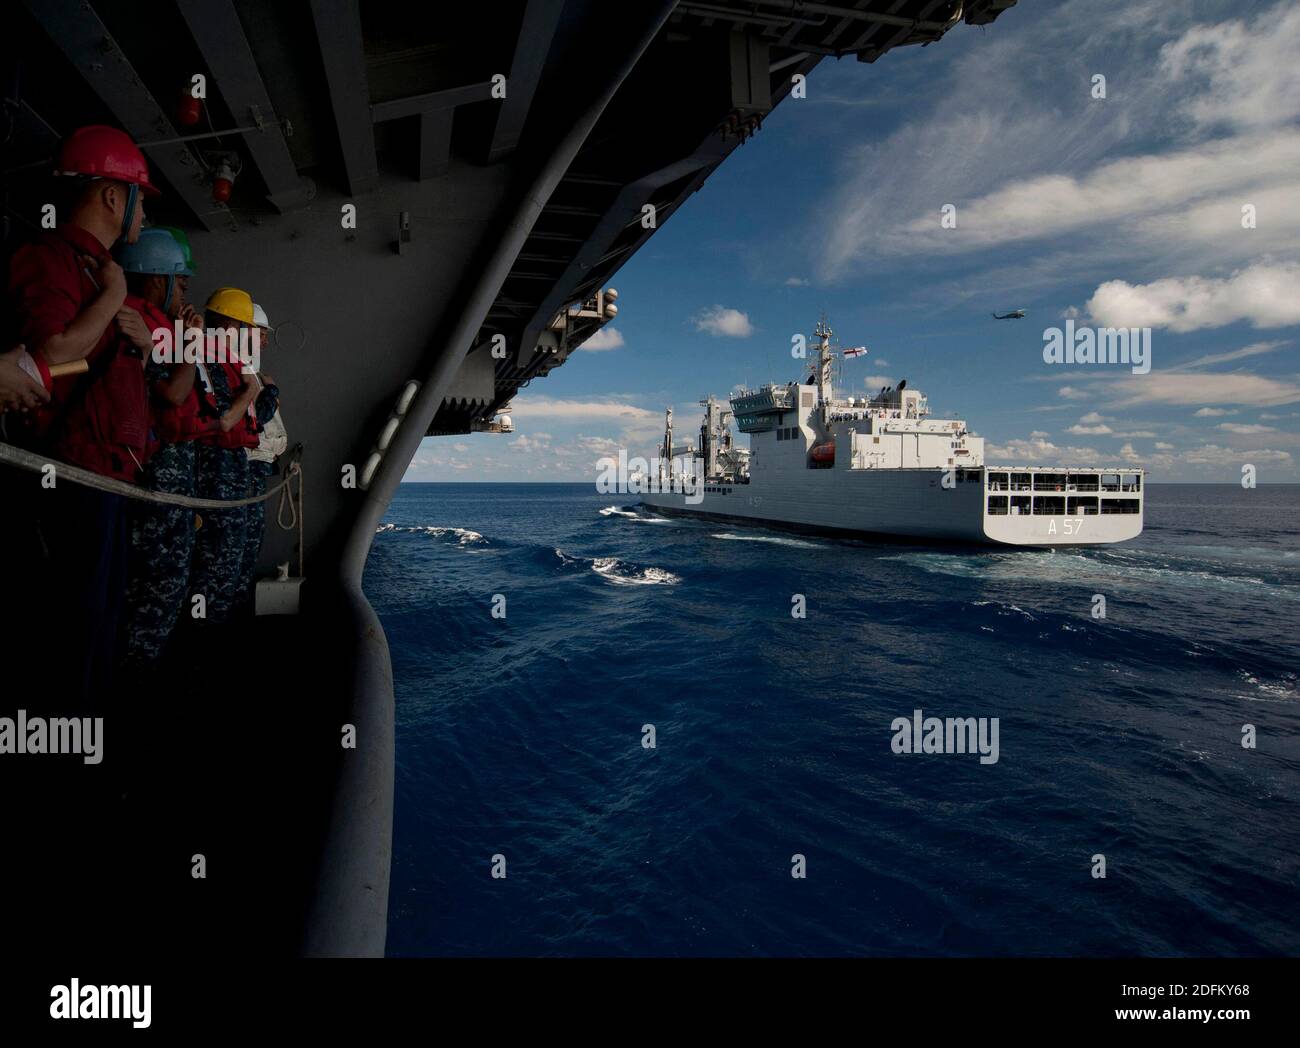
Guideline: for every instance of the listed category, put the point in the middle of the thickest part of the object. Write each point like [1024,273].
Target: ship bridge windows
[1110,482]
[997,482]
[1130,482]
[1022,481]
[1049,482]
[1082,506]
[1121,506]
[997,505]
[1083,482]
[1049,505]
[1020,505]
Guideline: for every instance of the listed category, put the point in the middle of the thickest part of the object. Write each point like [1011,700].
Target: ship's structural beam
[216,29]
[338,32]
[541,18]
[436,111]
[83,38]
[589,264]
[870,54]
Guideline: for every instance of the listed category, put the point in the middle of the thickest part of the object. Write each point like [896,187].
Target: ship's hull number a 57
[1069,526]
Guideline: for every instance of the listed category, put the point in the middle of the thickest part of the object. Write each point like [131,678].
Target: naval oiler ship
[429,200]
[881,466]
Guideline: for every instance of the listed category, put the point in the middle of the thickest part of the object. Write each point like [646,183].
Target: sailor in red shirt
[67,296]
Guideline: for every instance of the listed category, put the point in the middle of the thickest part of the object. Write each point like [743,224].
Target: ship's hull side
[900,504]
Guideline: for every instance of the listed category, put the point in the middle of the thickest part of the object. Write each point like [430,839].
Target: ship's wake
[775,540]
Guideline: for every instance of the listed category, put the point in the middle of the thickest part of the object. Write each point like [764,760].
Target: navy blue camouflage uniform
[223,473]
[162,546]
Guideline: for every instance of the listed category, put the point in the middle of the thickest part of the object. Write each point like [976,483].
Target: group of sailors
[103,580]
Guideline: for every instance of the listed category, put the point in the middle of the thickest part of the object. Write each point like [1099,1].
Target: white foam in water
[464,536]
[1107,567]
[775,540]
[614,570]
[618,511]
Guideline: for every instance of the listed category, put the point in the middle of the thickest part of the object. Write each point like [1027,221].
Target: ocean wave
[464,536]
[619,572]
[999,606]
[630,515]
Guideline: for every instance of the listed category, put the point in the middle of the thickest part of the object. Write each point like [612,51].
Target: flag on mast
[855,351]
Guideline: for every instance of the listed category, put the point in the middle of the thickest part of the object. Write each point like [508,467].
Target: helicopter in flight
[1015,314]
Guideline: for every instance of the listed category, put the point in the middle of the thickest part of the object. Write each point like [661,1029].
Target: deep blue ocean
[1120,737]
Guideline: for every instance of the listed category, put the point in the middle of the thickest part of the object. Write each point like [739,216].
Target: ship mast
[666,452]
[824,358]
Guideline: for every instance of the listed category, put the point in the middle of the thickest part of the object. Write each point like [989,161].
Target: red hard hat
[104,152]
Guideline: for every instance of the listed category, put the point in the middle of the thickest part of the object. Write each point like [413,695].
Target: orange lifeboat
[824,452]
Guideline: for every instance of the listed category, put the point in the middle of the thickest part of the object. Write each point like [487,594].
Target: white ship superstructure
[882,466]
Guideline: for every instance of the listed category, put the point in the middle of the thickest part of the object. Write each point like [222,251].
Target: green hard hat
[182,238]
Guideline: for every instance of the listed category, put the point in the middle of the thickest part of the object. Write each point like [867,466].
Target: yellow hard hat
[233,303]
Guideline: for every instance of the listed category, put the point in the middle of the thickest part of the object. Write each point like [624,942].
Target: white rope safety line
[28,460]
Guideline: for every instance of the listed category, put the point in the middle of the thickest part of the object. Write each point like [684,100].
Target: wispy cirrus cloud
[1198,121]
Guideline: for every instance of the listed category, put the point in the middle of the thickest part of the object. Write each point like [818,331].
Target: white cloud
[1247,75]
[580,410]
[1174,387]
[1128,454]
[1157,388]
[605,338]
[873,383]
[1213,455]
[1039,450]
[881,363]
[1237,427]
[1162,446]
[795,282]
[1255,349]
[1087,431]
[526,443]
[722,321]
[1023,161]
[1092,418]
[1265,295]
[1214,412]
[1039,434]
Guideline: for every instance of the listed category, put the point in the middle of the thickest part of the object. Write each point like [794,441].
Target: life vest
[244,434]
[197,416]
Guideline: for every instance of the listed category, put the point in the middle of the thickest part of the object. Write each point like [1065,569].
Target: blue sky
[1125,210]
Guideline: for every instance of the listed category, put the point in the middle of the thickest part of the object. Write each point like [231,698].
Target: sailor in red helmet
[67,297]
